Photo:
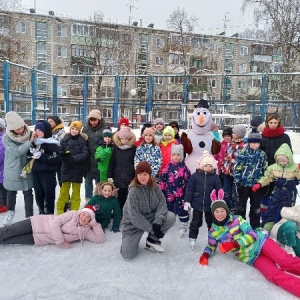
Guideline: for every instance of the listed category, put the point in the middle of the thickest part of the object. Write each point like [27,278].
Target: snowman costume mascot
[200,138]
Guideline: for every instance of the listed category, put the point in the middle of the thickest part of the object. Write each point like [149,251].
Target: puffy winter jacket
[52,229]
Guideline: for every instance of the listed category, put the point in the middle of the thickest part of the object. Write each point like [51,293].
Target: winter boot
[192,243]
[184,228]
[154,246]
[9,217]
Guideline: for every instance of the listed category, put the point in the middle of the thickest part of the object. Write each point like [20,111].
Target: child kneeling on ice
[145,210]
[107,205]
[173,181]
[231,233]
[199,187]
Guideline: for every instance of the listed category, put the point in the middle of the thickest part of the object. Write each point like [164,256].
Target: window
[244,50]
[61,110]
[61,31]
[176,79]
[292,55]
[243,68]
[173,115]
[241,85]
[41,30]
[159,61]
[158,80]
[175,59]
[61,91]
[62,52]
[61,71]
[198,63]
[213,83]
[82,30]
[228,65]
[256,83]
[228,50]
[22,88]
[106,112]
[159,42]
[21,27]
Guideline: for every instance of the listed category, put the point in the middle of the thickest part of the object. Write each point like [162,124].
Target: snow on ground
[93,271]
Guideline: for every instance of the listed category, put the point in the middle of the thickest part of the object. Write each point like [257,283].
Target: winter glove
[228,246]
[256,187]
[36,155]
[115,229]
[186,205]
[186,143]
[157,232]
[110,180]
[203,260]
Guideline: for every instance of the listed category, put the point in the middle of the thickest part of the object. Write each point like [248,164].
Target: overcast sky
[210,13]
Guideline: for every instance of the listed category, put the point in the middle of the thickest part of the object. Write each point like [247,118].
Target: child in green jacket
[107,205]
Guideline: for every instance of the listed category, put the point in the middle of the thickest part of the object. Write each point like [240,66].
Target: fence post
[54,95]
[149,105]
[85,96]
[295,116]
[33,96]
[6,85]
[264,95]
[185,101]
[116,102]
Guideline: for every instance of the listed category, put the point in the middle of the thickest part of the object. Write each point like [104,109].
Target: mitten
[228,246]
[36,155]
[157,232]
[115,229]
[256,187]
[187,144]
[203,260]
[215,147]
[186,205]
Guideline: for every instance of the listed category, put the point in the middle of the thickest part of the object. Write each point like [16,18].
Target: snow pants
[64,195]
[272,255]
[28,200]
[17,233]
[197,222]
[130,241]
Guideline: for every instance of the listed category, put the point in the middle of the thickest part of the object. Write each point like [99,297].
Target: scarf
[57,127]
[271,133]
[20,138]
[51,140]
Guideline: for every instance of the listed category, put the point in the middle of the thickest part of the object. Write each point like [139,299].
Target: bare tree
[9,5]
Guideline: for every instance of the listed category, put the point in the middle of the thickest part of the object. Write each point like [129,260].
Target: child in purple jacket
[173,181]
[3,191]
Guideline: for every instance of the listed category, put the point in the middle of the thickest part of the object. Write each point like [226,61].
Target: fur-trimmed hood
[118,143]
[67,135]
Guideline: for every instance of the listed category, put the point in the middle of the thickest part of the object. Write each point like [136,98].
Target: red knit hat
[89,209]
[124,121]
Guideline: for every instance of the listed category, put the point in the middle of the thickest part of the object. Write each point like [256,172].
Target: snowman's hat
[202,103]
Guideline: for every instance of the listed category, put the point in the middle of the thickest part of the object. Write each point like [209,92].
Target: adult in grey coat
[17,141]
[145,210]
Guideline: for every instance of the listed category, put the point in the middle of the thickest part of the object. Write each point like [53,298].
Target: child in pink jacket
[62,230]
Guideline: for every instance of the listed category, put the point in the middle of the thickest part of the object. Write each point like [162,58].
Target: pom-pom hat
[256,121]
[206,159]
[89,209]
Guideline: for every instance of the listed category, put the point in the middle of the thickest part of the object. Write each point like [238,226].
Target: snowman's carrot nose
[200,119]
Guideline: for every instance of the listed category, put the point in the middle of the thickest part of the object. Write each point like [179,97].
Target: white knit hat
[89,209]
[13,121]
[206,159]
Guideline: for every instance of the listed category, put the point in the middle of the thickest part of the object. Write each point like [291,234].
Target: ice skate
[9,217]
[184,227]
[154,246]
[192,243]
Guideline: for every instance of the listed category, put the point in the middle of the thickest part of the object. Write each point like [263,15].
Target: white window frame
[61,110]
[244,50]
[243,68]
[62,31]
[62,52]
[21,27]
[158,80]
[159,61]
[159,42]
[62,91]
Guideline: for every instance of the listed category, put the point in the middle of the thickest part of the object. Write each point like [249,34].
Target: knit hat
[124,121]
[40,126]
[149,130]
[213,126]
[95,113]
[2,123]
[55,119]
[174,124]
[106,133]
[206,159]
[169,130]
[76,124]
[89,209]
[177,149]
[256,121]
[159,120]
[239,130]
[254,136]
[218,202]
[227,131]
[124,132]
[143,166]
[13,121]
